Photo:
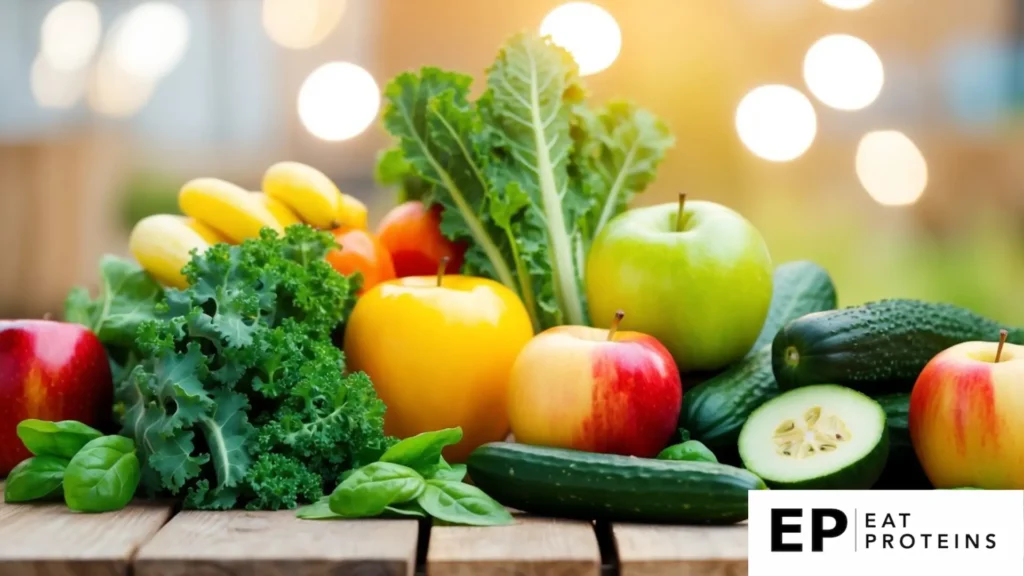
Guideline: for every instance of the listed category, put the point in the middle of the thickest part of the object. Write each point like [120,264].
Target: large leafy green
[235,394]
[128,297]
[526,174]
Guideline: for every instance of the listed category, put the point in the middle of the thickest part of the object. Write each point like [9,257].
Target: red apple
[50,371]
[965,418]
[595,390]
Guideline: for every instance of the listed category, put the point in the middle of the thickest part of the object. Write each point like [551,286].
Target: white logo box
[928,532]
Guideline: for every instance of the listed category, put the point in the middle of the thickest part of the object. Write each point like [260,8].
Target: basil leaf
[319,510]
[422,451]
[453,472]
[35,478]
[61,439]
[410,509]
[103,475]
[370,489]
[460,503]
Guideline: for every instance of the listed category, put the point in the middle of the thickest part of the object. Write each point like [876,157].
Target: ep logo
[821,523]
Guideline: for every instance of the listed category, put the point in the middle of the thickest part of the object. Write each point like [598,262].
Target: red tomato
[412,234]
[361,252]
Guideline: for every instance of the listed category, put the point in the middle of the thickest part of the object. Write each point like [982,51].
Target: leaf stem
[612,200]
[525,286]
[566,288]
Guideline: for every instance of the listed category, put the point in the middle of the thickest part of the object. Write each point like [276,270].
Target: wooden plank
[49,539]
[530,547]
[273,543]
[648,550]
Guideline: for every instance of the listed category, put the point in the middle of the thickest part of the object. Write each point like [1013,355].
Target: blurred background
[879,138]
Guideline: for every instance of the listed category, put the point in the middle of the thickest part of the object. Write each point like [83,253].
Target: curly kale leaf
[239,397]
[128,297]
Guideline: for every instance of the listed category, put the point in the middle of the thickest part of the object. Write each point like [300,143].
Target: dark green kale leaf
[239,398]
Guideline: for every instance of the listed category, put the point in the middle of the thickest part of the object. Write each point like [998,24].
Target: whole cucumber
[574,484]
[876,348]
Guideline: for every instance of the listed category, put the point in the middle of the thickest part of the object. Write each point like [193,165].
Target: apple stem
[1002,340]
[619,315]
[679,214]
[440,269]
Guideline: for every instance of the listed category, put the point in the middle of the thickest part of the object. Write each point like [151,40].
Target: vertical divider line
[606,545]
[422,546]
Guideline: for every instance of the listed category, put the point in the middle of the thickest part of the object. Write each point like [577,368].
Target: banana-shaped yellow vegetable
[209,234]
[351,212]
[162,246]
[227,208]
[285,216]
[306,190]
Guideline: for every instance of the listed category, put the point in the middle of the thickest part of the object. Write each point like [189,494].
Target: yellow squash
[285,216]
[306,190]
[162,245]
[227,208]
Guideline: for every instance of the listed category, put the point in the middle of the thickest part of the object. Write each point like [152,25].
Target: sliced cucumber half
[817,437]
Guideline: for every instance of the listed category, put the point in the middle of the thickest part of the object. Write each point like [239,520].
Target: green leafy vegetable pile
[232,389]
[527,173]
[411,479]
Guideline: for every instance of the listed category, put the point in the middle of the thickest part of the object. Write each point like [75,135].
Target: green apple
[695,275]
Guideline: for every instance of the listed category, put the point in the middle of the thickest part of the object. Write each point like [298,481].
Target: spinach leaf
[369,490]
[460,503]
[319,510]
[35,478]
[60,439]
[422,451]
[103,475]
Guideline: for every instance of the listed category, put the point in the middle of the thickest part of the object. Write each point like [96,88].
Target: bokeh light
[70,34]
[776,122]
[338,101]
[891,168]
[150,40]
[848,4]
[587,31]
[116,92]
[843,72]
[54,87]
[299,24]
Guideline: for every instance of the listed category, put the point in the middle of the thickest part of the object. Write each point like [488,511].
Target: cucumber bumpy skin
[574,484]
[876,348]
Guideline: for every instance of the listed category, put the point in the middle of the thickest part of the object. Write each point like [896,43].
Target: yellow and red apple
[595,390]
[966,415]
[50,371]
[439,354]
